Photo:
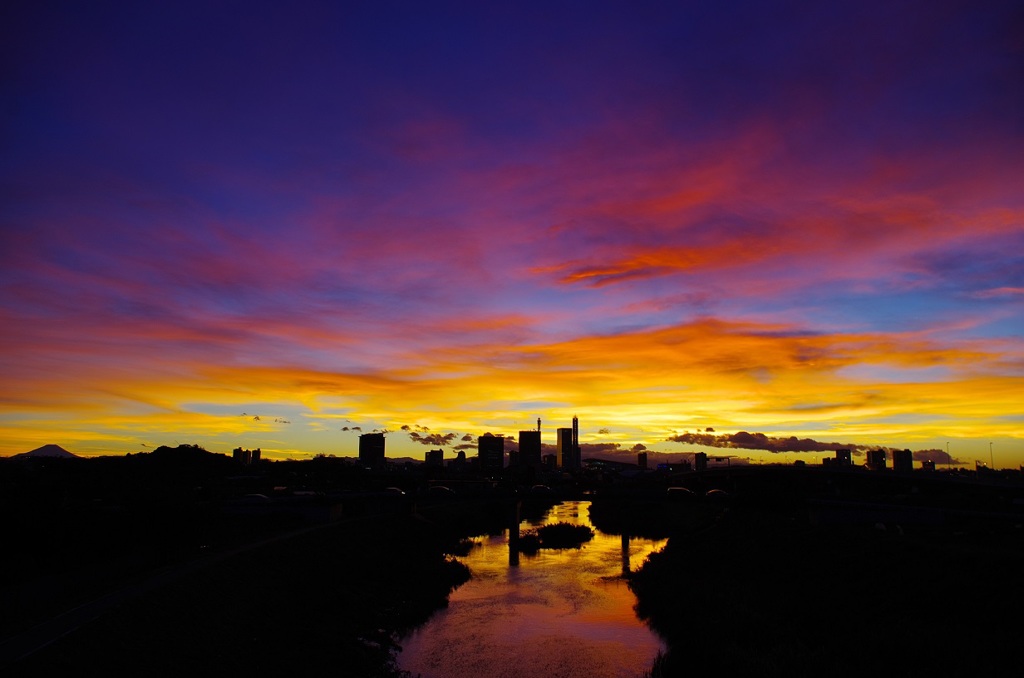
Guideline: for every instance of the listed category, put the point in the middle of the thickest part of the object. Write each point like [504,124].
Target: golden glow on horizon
[641,386]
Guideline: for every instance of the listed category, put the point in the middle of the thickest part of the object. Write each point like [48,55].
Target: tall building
[641,460]
[529,448]
[576,439]
[246,457]
[434,458]
[563,437]
[371,450]
[491,454]
[577,458]
[458,464]
[700,461]
[876,460]
[902,460]
[568,444]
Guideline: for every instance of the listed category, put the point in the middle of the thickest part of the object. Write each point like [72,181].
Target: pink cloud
[999,293]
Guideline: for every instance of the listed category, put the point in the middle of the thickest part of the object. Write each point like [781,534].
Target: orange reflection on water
[565,612]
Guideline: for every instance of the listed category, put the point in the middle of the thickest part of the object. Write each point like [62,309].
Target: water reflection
[558,613]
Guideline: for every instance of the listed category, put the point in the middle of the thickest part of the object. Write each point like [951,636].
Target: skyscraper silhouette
[371,450]
[902,460]
[876,460]
[569,447]
[435,458]
[529,448]
[577,459]
[491,454]
[564,439]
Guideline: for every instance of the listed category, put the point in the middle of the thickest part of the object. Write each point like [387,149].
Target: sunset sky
[277,224]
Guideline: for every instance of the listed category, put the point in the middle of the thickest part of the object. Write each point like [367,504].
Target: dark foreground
[768,572]
[327,602]
[767,589]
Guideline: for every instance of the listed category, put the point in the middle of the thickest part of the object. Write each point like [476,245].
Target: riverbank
[328,602]
[763,592]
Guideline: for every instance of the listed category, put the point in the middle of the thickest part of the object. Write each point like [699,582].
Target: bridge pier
[513,531]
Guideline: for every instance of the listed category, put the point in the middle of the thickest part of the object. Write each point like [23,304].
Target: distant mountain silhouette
[47,451]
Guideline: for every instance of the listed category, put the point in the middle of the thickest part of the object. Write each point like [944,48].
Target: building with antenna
[577,460]
[568,447]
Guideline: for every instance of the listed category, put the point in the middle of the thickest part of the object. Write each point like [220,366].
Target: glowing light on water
[565,612]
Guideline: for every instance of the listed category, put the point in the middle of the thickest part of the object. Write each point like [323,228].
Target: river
[560,613]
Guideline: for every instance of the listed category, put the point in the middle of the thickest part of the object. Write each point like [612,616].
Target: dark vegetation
[649,515]
[768,571]
[775,583]
[327,602]
[76,527]
[352,568]
[555,536]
